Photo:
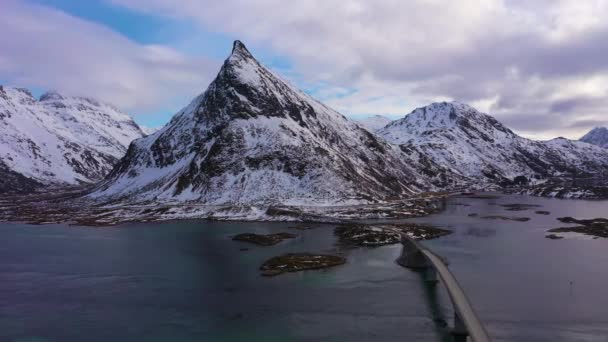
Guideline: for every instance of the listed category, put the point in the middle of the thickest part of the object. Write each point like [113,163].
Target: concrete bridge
[466,322]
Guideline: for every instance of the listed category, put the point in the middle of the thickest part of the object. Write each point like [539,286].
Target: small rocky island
[597,227]
[385,234]
[294,262]
[520,206]
[263,240]
[506,218]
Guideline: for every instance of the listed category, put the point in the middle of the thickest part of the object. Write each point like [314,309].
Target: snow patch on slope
[374,123]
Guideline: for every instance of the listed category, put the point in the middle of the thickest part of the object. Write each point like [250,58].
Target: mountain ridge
[479,147]
[60,140]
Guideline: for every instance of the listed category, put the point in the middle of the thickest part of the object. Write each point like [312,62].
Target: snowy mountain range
[374,123]
[251,137]
[597,136]
[59,140]
[478,147]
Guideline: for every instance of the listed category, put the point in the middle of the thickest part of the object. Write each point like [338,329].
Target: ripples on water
[187,281]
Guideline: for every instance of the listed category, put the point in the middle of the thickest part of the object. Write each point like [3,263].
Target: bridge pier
[459,332]
[411,256]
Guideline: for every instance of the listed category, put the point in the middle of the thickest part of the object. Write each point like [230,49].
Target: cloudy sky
[539,66]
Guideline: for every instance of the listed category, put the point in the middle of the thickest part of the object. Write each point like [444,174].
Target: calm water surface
[187,281]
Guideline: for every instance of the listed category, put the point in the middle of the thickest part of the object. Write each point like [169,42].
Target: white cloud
[520,58]
[46,48]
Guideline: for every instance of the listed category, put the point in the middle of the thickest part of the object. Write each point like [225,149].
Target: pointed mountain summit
[597,136]
[251,137]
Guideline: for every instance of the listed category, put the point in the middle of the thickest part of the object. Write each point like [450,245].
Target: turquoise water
[188,281]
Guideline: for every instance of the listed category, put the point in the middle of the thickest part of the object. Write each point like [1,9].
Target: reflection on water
[187,281]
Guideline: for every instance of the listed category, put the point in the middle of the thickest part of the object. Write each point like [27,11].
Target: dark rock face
[13,182]
[252,137]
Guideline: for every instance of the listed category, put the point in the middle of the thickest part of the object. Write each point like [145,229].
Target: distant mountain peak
[375,122]
[449,116]
[51,95]
[478,146]
[597,136]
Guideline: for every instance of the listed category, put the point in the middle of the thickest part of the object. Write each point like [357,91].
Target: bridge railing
[466,322]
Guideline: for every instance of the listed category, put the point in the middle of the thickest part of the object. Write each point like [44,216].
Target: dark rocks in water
[473,215]
[593,227]
[303,227]
[294,262]
[366,235]
[505,218]
[385,234]
[421,232]
[554,237]
[542,212]
[584,222]
[519,207]
[264,240]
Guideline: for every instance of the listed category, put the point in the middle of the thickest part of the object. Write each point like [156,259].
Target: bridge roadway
[466,322]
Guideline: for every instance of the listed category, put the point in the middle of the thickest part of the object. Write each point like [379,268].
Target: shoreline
[66,206]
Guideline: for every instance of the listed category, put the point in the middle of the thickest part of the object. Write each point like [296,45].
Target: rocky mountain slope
[251,137]
[477,146]
[597,136]
[374,123]
[59,139]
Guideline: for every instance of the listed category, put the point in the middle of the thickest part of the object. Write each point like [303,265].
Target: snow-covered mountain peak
[441,117]
[252,137]
[597,136]
[17,95]
[478,146]
[59,139]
